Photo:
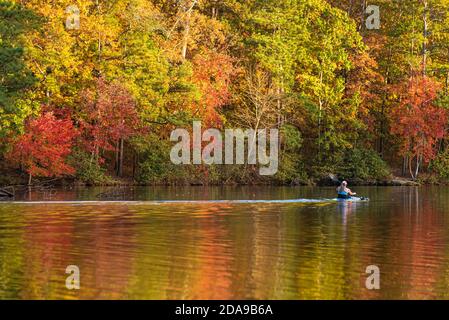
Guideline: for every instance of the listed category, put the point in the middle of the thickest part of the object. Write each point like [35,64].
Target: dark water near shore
[211,250]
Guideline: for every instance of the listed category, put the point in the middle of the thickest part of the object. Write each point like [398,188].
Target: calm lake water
[213,250]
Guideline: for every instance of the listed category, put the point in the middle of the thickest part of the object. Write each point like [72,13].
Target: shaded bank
[10,183]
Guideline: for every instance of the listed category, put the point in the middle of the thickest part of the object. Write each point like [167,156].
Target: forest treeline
[91,89]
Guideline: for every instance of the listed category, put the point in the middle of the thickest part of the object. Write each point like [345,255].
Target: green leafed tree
[15,77]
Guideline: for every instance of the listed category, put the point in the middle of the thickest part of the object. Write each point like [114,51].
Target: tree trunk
[410,168]
[414,175]
[117,156]
[279,107]
[135,160]
[319,119]
[447,82]
[382,129]
[29,179]
[424,45]
[404,166]
[120,164]
[362,19]
[214,10]
[186,37]
[418,165]
[187,29]
[99,45]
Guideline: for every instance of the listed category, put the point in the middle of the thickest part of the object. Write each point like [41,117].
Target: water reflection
[230,251]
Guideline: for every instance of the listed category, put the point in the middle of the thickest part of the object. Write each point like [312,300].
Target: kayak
[353,199]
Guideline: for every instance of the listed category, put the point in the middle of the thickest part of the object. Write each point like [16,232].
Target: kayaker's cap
[344,183]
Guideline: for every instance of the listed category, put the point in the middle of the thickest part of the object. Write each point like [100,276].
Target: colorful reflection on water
[228,250]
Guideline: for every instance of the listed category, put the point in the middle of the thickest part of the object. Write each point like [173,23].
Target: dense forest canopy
[91,89]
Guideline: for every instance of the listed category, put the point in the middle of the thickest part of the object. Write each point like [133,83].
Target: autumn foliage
[418,121]
[109,115]
[43,149]
[213,72]
[135,70]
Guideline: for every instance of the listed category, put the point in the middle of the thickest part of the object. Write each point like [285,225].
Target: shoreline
[396,181]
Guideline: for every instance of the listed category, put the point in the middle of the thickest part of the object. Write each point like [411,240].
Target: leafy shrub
[155,166]
[440,166]
[291,138]
[362,164]
[291,169]
[88,170]
[291,165]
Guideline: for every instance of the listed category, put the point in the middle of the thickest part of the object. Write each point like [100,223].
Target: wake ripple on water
[156,202]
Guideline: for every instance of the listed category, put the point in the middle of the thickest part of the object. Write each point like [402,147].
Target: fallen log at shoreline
[5,193]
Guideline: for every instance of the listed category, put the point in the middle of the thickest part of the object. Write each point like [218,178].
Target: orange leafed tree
[110,118]
[419,122]
[213,72]
[43,149]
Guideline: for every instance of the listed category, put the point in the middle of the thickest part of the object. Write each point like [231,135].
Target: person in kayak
[344,192]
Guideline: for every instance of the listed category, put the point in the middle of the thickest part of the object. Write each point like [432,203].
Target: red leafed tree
[110,118]
[43,149]
[212,75]
[419,122]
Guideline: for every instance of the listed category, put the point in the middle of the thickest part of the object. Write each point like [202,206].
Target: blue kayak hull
[353,199]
